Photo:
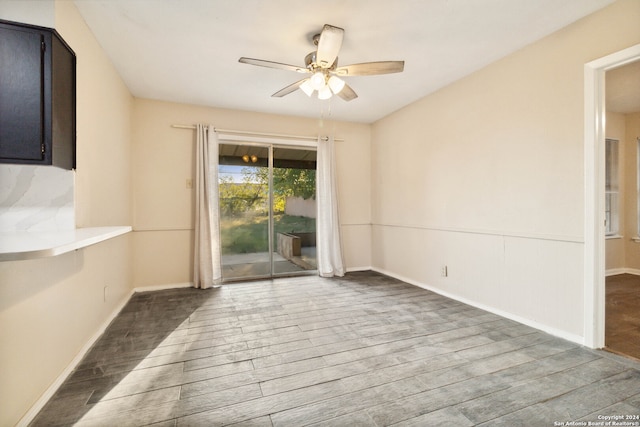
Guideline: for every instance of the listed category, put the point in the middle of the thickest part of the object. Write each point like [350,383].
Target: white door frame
[594,243]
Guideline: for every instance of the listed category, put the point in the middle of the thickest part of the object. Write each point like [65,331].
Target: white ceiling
[187,51]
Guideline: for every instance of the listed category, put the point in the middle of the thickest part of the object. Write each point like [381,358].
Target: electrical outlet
[444,271]
[105,293]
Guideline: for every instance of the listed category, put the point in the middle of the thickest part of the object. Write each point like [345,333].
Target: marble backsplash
[36,198]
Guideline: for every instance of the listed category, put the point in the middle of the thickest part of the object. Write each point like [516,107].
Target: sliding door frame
[269,143]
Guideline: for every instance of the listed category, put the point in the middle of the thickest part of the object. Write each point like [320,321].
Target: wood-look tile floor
[363,350]
[622,324]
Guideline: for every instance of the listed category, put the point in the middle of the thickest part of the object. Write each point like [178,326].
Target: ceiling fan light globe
[336,84]
[306,88]
[317,80]
[324,93]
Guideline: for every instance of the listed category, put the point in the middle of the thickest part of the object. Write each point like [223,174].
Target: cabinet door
[63,105]
[21,94]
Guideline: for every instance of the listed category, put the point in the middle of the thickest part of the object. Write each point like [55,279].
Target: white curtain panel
[328,241]
[207,269]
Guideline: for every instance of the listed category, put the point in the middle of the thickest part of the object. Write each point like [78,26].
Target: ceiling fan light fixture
[324,93]
[306,87]
[317,80]
[336,84]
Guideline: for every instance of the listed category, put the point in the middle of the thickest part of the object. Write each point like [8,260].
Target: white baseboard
[48,394]
[616,271]
[553,331]
[353,269]
[163,287]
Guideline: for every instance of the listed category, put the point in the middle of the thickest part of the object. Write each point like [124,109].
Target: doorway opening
[622,179]
[267,210]
[594,152]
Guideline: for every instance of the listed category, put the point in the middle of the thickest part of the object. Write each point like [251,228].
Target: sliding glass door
[294,210]
[267,210]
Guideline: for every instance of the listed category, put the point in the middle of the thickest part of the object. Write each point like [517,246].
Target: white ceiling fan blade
[371,68]
[347,93]
[287,90]
[271,64]
[329,45]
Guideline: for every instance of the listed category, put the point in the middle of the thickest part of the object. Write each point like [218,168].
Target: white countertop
[22,245]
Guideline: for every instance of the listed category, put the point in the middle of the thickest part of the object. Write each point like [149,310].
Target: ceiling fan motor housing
[310,62]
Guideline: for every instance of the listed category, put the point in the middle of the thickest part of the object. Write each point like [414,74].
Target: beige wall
[486,176]
[163,160]
[50,308]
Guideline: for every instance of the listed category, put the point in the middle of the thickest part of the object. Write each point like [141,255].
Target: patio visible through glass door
[267,210]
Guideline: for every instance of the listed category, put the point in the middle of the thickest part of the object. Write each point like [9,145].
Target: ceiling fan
[322,65]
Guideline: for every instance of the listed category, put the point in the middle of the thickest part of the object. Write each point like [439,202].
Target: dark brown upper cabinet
[37,97]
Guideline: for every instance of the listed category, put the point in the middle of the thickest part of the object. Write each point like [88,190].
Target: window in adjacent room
[611,188]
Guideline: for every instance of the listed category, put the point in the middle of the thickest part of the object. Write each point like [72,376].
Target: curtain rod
[272,135]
